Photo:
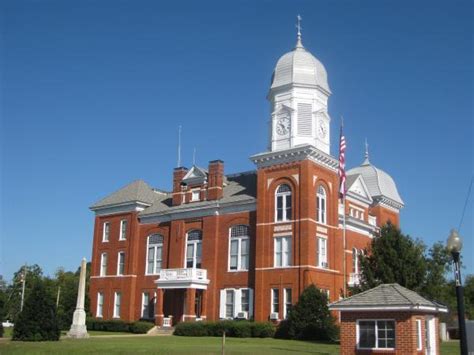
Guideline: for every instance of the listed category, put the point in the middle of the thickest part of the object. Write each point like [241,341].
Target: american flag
[342,165]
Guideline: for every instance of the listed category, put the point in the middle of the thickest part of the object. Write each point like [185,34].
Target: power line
[465,204]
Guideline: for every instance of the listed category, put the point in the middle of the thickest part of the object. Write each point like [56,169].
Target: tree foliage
[310,318]
[37,321]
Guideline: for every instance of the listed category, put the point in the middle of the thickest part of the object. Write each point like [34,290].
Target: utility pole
[23,280]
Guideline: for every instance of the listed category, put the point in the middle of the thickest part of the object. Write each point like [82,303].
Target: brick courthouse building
[243,245]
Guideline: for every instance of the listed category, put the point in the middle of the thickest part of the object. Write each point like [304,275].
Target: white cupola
[298,98]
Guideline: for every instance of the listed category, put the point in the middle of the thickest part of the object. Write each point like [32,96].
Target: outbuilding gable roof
[137,191]
[387,297]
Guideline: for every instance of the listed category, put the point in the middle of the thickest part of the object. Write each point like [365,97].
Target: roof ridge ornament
[299,43]
[366,155]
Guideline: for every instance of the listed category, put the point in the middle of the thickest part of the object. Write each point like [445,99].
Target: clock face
[322,129]
[283,126]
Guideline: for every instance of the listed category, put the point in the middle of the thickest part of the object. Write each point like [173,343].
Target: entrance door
[430,335]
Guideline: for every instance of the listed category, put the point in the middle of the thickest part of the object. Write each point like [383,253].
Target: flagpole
[344,267]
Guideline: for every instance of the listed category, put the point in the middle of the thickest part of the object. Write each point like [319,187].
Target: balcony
[183,278]
[354,279]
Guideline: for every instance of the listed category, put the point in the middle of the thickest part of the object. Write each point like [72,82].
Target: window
[195,195]
[419,343]
[376,334]
[282,254]
[100,304]
[326,293]
[121,263]
[239,248]
[287,302]
[355,261]
[117,302]
[123,230]
[194,249]
[283,203]
[321,205]
[148,308]
[154,253]
[322,252]
[103,264]
[229,304]
[275,300]
[245,300]
[105,232]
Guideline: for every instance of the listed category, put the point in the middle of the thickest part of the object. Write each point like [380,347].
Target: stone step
[160,331]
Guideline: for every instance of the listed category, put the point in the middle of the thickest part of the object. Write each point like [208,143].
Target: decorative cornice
[302,152]
[388,203]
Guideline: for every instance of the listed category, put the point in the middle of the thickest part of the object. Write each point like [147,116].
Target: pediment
[359,188]
[195,175]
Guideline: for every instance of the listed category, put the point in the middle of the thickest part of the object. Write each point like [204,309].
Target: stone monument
[78,327]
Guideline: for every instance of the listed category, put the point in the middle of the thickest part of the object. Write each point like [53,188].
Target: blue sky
[92,93]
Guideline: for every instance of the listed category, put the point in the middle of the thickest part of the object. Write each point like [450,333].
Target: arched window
[321,205]
[194,249]
[154,253]
[239,247]
[355,260]
[283,203]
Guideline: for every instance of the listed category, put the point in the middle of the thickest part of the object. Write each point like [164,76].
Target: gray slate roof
[240,187]
[137,191]
[386,295]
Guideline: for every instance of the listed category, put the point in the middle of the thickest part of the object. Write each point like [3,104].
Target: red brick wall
[405,332]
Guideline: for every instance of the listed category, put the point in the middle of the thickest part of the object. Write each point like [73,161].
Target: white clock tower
[298,97]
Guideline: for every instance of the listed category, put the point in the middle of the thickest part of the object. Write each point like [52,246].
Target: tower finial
[366,156]
[299,44]
[179,147]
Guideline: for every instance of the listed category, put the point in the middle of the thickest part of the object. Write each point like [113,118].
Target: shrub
[197,329]
[263,330]
[310,318]
[141,327]
[1,329]
[37,321]
[108,325]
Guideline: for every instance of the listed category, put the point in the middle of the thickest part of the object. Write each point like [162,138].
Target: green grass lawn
[132,344]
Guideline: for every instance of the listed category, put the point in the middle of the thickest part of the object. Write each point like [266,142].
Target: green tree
[469,295]
[37,321]
[393,257]
[310,318]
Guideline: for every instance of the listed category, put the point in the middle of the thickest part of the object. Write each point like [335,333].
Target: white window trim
[121,229]
[376,333]
[320,261]
[115,304]
[285,241]
[239,252]
[285,310]
[322,213]
[142,315]
[103,272]
[277,290]
[155,250]
[285,218]
[237,306]
[195,242]
[101,314]
[118,263]
[105,240]
[195,192]
[419,345]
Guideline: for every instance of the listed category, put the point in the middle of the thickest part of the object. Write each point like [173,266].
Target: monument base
[78,327]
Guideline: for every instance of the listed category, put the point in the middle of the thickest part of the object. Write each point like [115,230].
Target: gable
[359,189]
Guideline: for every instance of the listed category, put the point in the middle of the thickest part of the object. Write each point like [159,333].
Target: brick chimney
[215,185]
[178,175]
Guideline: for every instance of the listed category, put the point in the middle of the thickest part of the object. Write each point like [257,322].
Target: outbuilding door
[430,335]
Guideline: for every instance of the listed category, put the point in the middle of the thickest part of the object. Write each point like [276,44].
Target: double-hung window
[376,334]
[105,231]
[282,251]
[283,203]
[229,304]
[321,205]
[275,300]
[239,248]
[287,304]
[123,230]
[121,263]
[148,308]
[103,264]
[117,303]
[154,254]
[194,249]
[100,305]
[235,301]
[355,261]
[322,252]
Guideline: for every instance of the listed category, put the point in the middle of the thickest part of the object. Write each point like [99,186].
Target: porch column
[204,305]
[190,312]
[159,307]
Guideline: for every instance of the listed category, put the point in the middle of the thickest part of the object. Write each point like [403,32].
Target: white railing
[183,274]
[354,278]
[167,321]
